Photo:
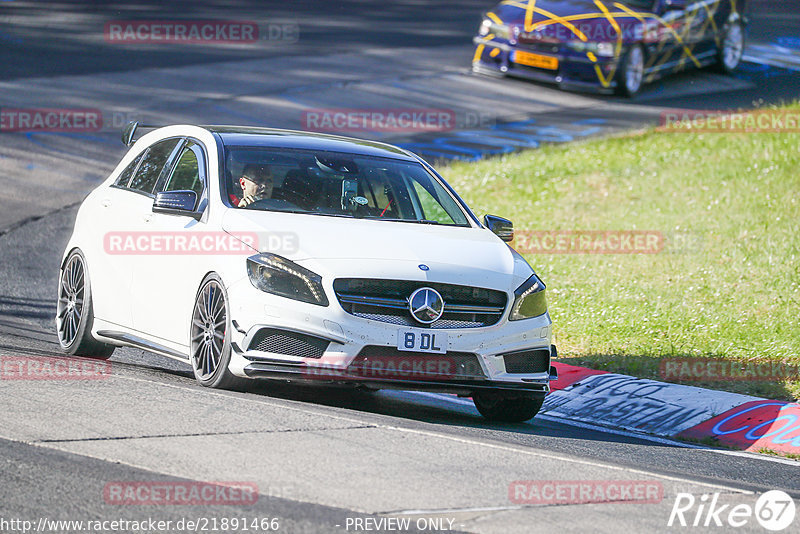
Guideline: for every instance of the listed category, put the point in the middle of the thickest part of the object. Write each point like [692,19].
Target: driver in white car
[256,182]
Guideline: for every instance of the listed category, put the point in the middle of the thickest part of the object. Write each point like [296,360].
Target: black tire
[210,339]
[630,76]
[731,48]
[74,312]
[496,406]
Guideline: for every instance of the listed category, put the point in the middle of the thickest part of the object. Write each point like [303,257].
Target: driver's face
[253,188]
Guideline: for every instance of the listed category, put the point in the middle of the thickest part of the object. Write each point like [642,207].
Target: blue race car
[608,46]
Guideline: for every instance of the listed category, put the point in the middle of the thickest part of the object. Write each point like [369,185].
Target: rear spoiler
[130,131]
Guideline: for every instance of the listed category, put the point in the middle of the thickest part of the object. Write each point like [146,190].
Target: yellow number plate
[535,60]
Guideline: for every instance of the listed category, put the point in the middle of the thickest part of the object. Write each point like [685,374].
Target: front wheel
[630,77]
[210,342]
[496,406]
[730,52]
[74,312]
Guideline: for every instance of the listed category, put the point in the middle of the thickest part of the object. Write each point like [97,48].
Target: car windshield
[337,184]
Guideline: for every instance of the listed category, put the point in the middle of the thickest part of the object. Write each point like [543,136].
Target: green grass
[789,455]
[726,285]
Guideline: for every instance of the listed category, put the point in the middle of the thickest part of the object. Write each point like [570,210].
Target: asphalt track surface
[318,455]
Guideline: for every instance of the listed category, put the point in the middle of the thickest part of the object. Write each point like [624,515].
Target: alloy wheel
[209,328]
[634,71]
[733,47]
[71,297]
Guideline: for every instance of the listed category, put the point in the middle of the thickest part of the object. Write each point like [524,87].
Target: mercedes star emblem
[426,305]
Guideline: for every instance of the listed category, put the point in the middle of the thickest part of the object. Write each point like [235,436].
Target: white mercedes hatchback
[252,253]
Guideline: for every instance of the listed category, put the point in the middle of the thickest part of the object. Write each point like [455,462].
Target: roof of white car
[268,137]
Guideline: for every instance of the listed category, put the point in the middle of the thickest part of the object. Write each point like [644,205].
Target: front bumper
[300,373]
[349,337]
[575,71]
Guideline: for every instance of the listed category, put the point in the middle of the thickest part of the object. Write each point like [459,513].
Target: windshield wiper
[307,212]
[418,221]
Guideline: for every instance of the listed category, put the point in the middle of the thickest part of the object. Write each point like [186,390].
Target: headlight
[578,46]
[604,49]
[277,275]
[529,300]
[499,30]
[599,49]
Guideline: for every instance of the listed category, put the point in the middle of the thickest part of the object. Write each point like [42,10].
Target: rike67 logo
[774,511]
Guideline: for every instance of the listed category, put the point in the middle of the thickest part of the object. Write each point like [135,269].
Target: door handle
[147,218]
[106,202]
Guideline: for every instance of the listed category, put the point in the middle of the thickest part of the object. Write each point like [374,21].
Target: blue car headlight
[601,49]
[277,275]
[529,300]
[489,26]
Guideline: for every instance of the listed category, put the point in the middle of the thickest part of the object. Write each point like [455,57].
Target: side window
[125,175]
[432,210]
[436,204]
[152,164]
[189,171]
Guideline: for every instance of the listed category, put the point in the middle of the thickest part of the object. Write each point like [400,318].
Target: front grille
[527,361]
[288,343]
[387,301]
[534,45]
[379,362]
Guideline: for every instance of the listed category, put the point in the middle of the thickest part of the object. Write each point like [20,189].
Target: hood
[336,246]
[595,29]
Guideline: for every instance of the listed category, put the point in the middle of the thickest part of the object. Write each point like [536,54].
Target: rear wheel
[630,77]
[730,52]
[74,313]
[210,337]
[496,406]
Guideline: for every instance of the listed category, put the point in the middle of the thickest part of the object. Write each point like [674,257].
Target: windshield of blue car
[337,184]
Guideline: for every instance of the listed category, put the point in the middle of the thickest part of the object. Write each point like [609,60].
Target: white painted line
[561,458]
[464,402]
[454,438]
[780,63]
[625,433]
[667,441]
[640,404]
[773,55]
[437,435]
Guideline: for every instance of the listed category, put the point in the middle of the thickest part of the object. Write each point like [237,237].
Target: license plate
[535,60]
[415,340]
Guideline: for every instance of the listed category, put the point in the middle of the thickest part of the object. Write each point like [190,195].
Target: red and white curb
[673,410]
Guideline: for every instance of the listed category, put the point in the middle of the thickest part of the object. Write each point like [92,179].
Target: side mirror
[503,228]
[177,203]
[129,132]
[675,5]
